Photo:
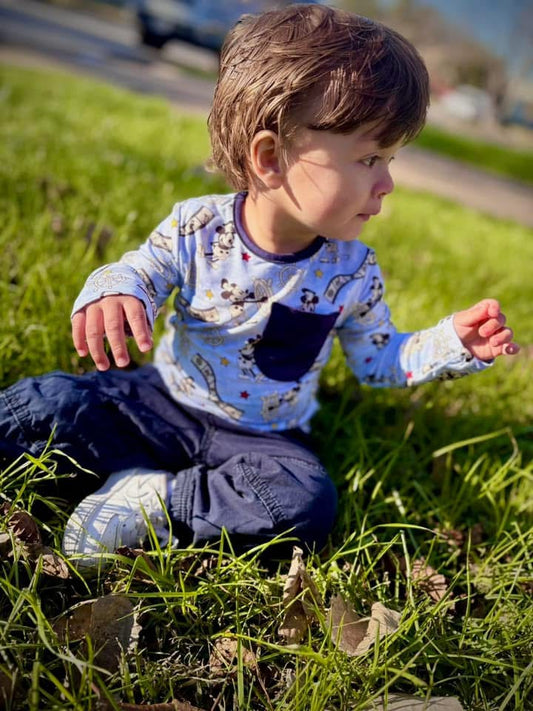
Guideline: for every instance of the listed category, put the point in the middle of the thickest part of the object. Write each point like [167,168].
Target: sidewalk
[489,193]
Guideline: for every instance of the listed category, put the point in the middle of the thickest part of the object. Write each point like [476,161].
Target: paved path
[474,188]
[40,35]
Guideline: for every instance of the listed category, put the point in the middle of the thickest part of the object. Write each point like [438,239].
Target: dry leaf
[356,635]
[108,621]
[132,554]
[224,655]
[111,629]
[51,563]
[453,537]
[402,702]
[295,623]
[75,623]
[29,542]
[24,527]
[427,579]
[300,598]
[206,565]
[298,581]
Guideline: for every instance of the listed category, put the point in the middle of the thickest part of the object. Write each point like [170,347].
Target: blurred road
[39,34]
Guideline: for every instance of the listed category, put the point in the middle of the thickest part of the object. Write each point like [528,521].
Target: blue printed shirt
[249,331]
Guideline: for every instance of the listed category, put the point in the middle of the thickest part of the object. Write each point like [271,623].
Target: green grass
[442,472]
[502,160]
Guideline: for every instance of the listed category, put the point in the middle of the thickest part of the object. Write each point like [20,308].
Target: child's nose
[384,186]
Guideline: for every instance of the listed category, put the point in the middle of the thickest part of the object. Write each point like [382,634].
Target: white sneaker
[117,515]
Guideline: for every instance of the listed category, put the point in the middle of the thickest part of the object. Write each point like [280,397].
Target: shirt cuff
[438,354]
[112,280]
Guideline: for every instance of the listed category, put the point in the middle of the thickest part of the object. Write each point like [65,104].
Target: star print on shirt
[245,257]
[245,395]
[209,294]
[174,223]
[319,273]
[224,361]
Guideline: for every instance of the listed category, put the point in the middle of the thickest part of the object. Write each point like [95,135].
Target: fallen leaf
[132,554]
[298,581]
[355,635]
[453,537]
[24,527]
[402,702]
[206,565]
[51,562]
[224,655]
[74,623]
[295,624]
[300,599]
[29,542]
[108,621]
[111,628]
[429,580]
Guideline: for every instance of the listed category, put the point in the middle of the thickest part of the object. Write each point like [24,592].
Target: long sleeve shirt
[249,331]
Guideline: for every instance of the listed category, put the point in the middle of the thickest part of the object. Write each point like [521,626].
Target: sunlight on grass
[505,161]
[442,473]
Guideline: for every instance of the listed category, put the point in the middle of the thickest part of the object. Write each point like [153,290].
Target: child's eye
[370,161]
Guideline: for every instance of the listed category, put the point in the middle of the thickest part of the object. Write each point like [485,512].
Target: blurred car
[200,22]
[468,103]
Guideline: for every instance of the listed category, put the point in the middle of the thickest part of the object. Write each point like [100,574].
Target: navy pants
[255,485]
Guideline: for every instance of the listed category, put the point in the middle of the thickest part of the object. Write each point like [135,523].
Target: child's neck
[270,228]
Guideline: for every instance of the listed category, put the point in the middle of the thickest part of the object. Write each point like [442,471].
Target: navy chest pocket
[291,342]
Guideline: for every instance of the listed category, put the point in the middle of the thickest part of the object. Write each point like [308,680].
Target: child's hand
[482,330]
[107,318]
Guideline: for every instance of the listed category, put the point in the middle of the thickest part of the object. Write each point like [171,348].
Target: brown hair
[317,67]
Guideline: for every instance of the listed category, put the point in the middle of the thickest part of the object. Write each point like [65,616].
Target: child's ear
[265,158]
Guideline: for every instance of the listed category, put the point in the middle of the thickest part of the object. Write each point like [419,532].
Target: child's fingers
[511,349]
[492,326]
[504,336]
[94,334]
[483,310]
[136,318]
[78,334]
[113,315]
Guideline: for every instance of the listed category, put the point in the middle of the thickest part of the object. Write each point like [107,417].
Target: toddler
[311,105]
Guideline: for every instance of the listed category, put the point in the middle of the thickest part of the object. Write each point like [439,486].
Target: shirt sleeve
[149,273]
[380,356]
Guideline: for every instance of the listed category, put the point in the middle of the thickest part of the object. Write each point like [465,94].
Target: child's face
[334,182]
